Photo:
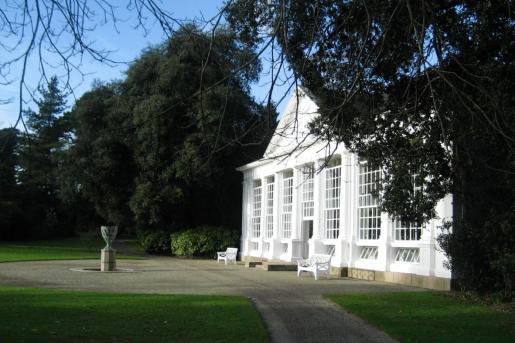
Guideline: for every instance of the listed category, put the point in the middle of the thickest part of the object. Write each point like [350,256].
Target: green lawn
[430,317]
[64,249]
[42,315]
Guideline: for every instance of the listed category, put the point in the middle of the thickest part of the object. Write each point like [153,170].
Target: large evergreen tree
[159,149]
[100,165]
[10,209]
[40,152]
[192,114]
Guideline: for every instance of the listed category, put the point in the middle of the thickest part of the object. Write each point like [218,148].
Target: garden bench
[228,255]
[317,264]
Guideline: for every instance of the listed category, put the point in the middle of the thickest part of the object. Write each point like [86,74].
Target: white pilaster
[353,252]
[295,215]
[318,190]
[246,204]
[427,249]
[275,244]
[385,250]
[262,220]
[277,204]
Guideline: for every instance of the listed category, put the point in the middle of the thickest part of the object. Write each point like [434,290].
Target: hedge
[155,242]
[203,241]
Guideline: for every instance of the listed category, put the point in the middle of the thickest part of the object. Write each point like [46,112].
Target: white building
[292,207]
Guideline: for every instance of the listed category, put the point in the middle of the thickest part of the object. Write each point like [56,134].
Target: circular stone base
[97,270]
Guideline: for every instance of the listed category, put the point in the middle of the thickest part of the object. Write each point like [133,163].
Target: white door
[307,233]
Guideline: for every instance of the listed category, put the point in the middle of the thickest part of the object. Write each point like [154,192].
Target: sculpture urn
[109,234]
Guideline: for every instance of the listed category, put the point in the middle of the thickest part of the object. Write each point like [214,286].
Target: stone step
[253,264]
[274,266]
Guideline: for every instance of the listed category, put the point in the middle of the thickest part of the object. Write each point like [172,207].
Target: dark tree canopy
[101,164]
[44,141]
[160,147]
[154,151]
[10,210]
[8,159]
[30,193]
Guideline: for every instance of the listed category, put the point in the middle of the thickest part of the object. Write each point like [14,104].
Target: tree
[418,88]
[190,130]
[44,141]
[10,209]
[8,159]
[100,165]
[39,159]
[158,150]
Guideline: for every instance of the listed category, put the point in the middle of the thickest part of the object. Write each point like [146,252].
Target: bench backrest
[318,258]
[232,250]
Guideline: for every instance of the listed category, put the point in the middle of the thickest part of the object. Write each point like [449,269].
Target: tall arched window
[308,202]
[369,213]
[269,214]
[332,198]
[256,209]
[287,203]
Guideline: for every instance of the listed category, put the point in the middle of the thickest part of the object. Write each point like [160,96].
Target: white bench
[228,255]
[317,264]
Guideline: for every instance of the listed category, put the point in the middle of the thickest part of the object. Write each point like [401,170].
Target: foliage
[72,316]
[35,200]
[9,139]
[10,206]
[101,166]
[203,241]
[159,149]
[486,261]
[30,173]
[189,138]
[156,150]
[430,317]
[46,139]
[421,88]
[155,242]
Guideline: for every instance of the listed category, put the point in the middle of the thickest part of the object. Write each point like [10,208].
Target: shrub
[155,242]
[203,241]
[482,255]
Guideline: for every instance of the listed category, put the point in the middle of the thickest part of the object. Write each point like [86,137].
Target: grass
[64,249]
[43,315]
[431,317]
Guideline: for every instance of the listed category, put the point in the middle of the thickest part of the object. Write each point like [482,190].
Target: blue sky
[127,44]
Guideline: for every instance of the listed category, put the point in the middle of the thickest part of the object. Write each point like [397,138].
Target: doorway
[306,234]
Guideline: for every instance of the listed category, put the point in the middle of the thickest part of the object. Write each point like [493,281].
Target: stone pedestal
[108,260]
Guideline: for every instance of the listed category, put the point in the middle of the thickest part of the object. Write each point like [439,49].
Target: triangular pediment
[292,132]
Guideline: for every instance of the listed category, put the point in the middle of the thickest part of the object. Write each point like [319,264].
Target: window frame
[286,204]
[257,197]
[369,212]
[269,206]
[308,191]
[332,198]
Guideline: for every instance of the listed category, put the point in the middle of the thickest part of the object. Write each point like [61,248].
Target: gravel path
[293,309]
